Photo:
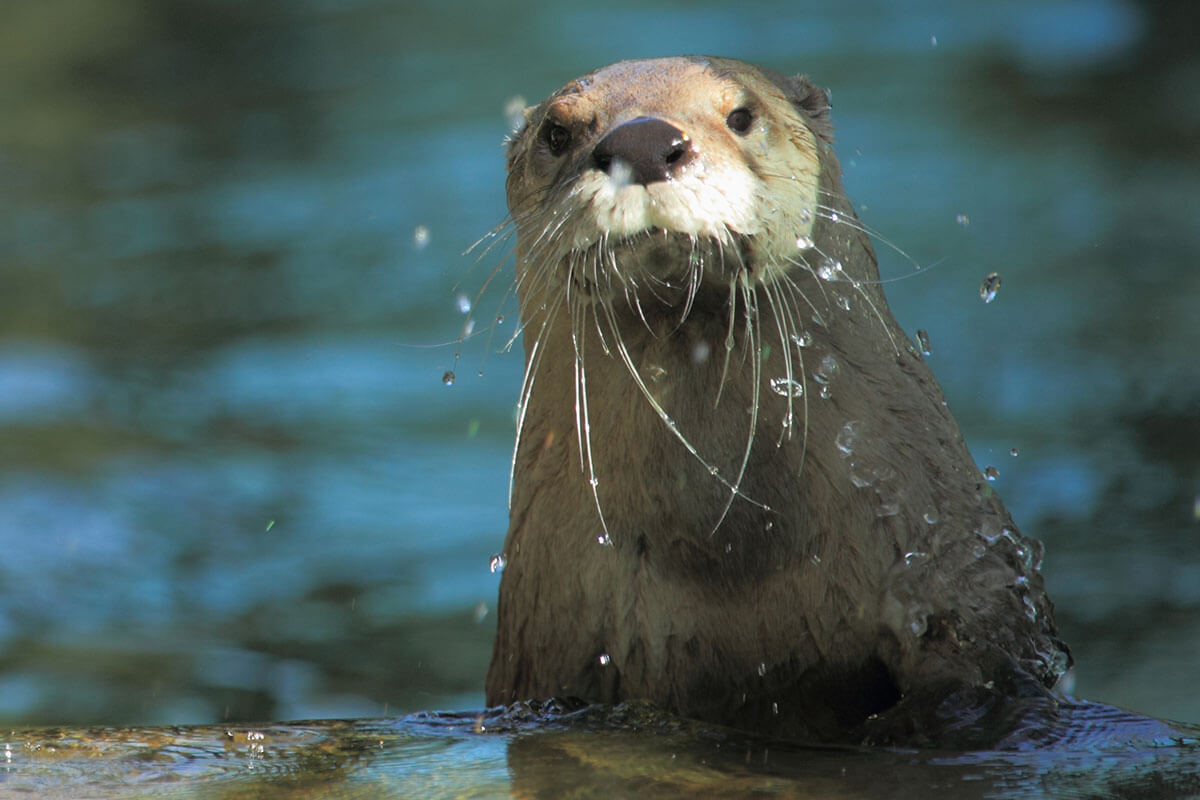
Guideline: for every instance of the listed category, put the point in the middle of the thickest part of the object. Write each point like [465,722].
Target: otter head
[656,178]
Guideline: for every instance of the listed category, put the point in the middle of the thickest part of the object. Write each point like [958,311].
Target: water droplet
[991,473]
[833,215]
[1030,608]
[914,557]
[816,559]
[1030,553]
[604,659]
[1058,662]
[888,507]
[514,112]
[420,237]
[594,481]
[826,371]
[805,216]
[787,387]
[918,621]
[963,219]
[979,549]
[802,339]
[989,287]
[655,373]
[463,303]
[769,525]
[930,517]
[861,479]
[1014,452]
[497,563]
[847,437]
[984,532]
[604,540]
[923,341]
[762,668]
[843,302]
[448,377]
[729,547]
[830,269]
[701,352]
[775,709]
[826,393]
[804,242]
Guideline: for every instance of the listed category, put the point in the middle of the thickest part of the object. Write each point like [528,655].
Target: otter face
[671,172]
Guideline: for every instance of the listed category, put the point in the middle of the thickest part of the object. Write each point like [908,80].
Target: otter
[737,490]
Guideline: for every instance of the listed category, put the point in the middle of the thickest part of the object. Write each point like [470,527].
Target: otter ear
[813,102]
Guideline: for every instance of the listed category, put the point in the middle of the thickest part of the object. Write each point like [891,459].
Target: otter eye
[557,138]
[740,120]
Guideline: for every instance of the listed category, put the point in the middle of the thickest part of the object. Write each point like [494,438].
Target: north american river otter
[737,491]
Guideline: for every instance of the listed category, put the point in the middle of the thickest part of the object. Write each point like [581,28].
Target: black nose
[652,149]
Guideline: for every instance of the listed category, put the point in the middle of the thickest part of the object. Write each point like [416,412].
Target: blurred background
[232,483]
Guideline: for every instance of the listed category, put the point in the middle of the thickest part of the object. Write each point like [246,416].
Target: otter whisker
[794,289]
[753,345]
[500,234]
[532,364]
[782,325]
[802,262]
[666,418]
[856,224]
[694,276]
[493,234]
[857,285]
[583,422]
[729,339]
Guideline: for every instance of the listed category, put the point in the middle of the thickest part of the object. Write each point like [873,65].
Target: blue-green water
[232,483]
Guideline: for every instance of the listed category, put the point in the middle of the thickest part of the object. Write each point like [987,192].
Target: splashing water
[923,341]
[802,339]
[826,371]
[787,387]
[989,287]
[847,438]
[830,269]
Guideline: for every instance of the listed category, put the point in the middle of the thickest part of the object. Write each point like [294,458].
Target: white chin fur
[706,204]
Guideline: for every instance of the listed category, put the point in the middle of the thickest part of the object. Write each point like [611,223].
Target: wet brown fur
[671,538]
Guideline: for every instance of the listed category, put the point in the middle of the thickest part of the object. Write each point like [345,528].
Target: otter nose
[653,150]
